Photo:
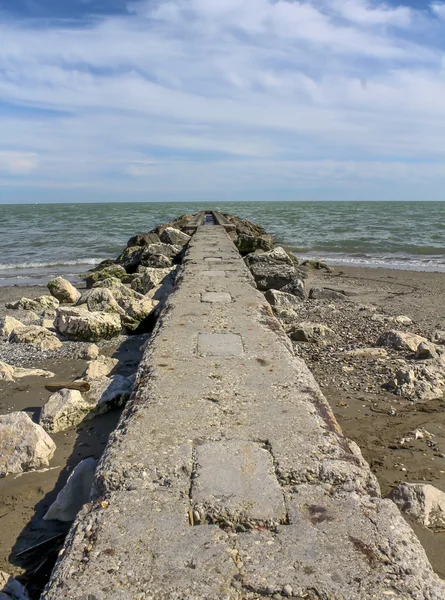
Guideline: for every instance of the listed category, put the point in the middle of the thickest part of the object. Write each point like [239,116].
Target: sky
[107,100]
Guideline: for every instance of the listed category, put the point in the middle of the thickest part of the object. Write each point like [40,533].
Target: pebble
[288,590]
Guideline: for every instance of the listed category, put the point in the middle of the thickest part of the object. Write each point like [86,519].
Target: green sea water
[41,240]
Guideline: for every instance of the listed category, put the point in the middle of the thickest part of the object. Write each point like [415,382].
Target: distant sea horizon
[42,240]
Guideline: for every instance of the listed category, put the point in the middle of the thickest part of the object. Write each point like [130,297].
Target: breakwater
[228,476]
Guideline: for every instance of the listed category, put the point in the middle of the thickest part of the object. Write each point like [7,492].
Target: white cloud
[439,9]
[18,163]
[201,93]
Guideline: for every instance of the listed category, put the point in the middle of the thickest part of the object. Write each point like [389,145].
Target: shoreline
[362,413]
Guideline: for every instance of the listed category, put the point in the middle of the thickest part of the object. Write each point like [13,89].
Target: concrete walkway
[228,476]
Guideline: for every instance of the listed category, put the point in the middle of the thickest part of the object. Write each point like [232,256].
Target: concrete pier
[228,476]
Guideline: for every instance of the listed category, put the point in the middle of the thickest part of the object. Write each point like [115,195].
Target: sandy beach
[374,418]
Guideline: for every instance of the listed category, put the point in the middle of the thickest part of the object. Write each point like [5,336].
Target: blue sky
[221,100]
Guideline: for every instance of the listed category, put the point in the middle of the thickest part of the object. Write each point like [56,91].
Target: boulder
[36,336]
[179,223]
[403,320]
[312,332]
[63,290]
[168,250]
[130,258]
[426,350]
[29,316]
[78,324]
[423,502]
[11,589]
[100,367]
[420,382]
[100,299]
[11,373]
[400,340]
[277,256]
[64,409]
[47,302]
[317,264]
[117,297]
[153,277]
[90,352]
[6,372]
[136,311]
[272,276]
[282,301]
[137,284]
[158,261]
[7,326]
[296,288]
[175,237]
[245,227]
[92,277]
[23,304]
[38,304]
[118,289]
[74,494]
[108,392]
[24,445]
[317,293]
[250,243]
[143,239]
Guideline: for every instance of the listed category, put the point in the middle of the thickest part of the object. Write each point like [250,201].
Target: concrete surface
[228,477]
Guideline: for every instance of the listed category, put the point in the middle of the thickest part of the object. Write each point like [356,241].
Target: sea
[39,241]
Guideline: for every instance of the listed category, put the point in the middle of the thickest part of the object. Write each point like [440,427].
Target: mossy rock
[93,277]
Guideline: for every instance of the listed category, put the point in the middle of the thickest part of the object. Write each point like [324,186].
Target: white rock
[173,236]
[47,301]
[6,372]
[403,320]
[24,445]
[100,367]
[36,336]
[78,324]
[64,409]
[101,299]
[312,332]
[283,301]
[75,493]
[424,502]
[152,277]
[63,290]
[108,392]
[420,382]
[10,373]
[11,589]
[90,352]
[7,326]
[426,350]
[400,340]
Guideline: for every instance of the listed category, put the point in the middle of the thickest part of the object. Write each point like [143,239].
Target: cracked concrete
[228,477]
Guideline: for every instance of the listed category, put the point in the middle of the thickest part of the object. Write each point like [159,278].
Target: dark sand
[360,404]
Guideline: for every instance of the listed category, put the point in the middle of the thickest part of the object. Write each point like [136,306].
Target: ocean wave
[43,265]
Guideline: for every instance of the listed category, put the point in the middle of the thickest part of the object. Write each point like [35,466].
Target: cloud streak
[265,98]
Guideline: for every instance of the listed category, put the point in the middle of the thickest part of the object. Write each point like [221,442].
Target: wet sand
[374,418]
